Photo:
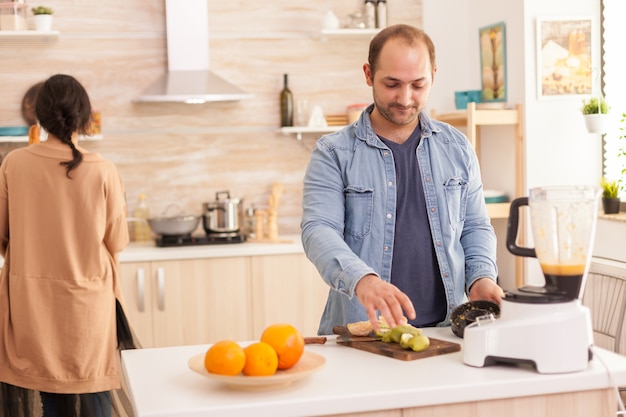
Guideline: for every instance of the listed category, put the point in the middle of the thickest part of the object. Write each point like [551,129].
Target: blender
[546,327]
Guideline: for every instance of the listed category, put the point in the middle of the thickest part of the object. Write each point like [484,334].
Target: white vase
[43,22]
[596,123]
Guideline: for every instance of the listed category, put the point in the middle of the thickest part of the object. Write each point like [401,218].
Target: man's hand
[486,289]
[376,294]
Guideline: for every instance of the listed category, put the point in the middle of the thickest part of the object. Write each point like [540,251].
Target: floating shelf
[24,139]
[349,33]
[300,130]
[29,34]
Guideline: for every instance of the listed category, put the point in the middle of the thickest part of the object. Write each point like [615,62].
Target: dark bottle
[286,104]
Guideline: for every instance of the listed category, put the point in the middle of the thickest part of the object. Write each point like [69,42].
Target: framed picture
[493,62]
[564,57]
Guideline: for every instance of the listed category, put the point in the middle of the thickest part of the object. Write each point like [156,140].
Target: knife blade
[344,336]
[351,339]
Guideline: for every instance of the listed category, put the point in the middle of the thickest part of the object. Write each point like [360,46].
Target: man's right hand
[378,295]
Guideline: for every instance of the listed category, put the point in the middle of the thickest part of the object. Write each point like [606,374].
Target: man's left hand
[486,289]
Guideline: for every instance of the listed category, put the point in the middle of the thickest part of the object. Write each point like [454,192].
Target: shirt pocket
[359,208]
[456,199]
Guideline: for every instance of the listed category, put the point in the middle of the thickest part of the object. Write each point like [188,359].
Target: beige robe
[59,238]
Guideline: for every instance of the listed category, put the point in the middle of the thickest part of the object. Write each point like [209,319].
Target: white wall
[558,149]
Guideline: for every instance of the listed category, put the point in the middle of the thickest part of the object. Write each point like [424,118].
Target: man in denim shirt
[394,217]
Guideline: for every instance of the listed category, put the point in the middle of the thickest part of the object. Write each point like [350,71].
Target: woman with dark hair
[62,225]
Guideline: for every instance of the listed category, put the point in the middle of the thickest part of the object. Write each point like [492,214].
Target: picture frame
[564,57]
[493,71]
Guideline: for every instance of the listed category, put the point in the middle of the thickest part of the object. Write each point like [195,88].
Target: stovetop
[209,239]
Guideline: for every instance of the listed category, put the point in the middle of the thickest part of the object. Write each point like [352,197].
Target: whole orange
[225,358]
[261,360]
[286,341]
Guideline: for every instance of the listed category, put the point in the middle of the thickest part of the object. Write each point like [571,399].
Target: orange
[286,341]
[225,358]
[261,360]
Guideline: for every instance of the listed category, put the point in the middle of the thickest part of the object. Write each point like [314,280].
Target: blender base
[553,337]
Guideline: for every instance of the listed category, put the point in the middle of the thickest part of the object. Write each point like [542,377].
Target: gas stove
[207,239]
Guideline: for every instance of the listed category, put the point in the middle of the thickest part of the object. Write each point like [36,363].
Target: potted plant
[595,111]
[43,18]
[610,199]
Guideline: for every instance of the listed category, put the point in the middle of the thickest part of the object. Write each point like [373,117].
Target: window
[614,86]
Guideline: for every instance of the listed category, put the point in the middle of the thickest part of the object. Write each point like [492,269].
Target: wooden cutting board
[394,350]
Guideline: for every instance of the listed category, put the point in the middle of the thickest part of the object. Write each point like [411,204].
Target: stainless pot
[174,226]
[168,225]
[224,215]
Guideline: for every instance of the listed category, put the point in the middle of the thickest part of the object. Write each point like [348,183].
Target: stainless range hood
[189,79]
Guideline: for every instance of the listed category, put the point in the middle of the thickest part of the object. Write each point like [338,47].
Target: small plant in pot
[595,111]
[43,17]
[610,198]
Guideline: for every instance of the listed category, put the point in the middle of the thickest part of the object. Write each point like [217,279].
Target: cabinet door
[287,289]
[201,301]
[137,289]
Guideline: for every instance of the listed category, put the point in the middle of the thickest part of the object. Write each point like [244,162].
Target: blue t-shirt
[414,269]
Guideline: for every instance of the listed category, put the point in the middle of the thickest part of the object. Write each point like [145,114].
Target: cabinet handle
[161,285]
[141,295]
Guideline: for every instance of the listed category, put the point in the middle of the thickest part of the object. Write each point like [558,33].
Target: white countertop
[161,384]
[144,252]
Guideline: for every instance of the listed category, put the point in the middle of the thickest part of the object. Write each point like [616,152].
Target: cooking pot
[174,226]
[224,215]
[166,225]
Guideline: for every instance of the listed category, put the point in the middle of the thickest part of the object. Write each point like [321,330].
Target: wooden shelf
[24,139]
[348,33]
[300,130]
[29,34]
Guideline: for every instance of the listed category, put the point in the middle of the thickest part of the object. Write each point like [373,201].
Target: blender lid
[535,295]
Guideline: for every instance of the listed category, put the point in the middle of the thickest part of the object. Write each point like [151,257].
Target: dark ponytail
[62,108]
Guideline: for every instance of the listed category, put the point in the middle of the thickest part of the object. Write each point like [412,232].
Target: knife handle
[341,330]
[317,340]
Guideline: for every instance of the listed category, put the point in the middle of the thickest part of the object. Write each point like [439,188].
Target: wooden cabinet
[472,120]
[286,289]
[185,302]
[199,301]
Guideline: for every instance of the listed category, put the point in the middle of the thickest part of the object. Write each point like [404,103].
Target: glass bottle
[286,104]
[141,229]
[381,14]
[370,14]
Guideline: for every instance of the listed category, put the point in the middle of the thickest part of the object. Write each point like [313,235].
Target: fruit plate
[309,362]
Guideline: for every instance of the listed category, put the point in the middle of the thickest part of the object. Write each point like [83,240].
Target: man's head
[401,68]
[411,35]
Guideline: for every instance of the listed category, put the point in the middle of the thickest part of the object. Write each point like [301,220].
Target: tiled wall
[182,153]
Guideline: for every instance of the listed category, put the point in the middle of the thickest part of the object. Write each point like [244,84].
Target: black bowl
[467,313]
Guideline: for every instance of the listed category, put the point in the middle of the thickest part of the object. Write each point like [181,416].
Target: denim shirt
[349,204]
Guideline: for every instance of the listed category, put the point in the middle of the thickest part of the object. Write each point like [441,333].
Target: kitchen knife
[344,336]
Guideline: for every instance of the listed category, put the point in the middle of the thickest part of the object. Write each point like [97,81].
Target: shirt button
[390,183]
[388,216]
[432,209]
[438,243]
[427,179]
[386,153]
[445,274]
[386,248]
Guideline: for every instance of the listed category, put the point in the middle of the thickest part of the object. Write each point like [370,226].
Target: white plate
[308,363]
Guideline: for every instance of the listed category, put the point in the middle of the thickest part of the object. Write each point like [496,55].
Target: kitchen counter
[354,381]
[148,251]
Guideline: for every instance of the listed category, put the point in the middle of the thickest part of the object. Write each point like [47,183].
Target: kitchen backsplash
[184,153]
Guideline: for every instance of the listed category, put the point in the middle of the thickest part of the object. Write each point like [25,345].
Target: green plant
[41,10]
[590,106]
[610,188]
